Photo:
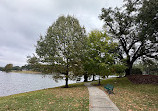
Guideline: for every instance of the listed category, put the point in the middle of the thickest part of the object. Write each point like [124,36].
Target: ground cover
[133,97]
[144,79]
[75,98]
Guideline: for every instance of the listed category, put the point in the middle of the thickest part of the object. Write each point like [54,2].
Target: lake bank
[75,98]
[27,72]
[128,96]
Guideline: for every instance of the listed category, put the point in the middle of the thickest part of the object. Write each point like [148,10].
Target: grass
[75,98]
[133,97]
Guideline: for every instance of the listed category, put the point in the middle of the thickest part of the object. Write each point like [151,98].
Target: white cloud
[22,21]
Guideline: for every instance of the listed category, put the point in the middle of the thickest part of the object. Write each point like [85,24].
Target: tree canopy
[101,53]
[61,46]
[8,67]
[135,27]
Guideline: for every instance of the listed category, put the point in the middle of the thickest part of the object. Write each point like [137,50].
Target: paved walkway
[98,100]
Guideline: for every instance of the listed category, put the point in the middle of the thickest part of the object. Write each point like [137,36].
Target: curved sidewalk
[98,100]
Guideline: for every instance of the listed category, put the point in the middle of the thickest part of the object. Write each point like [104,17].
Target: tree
[148,66]
[101,53]
[33,63]
[1,68]
[8,67]
[17,68]
[61,45]
[148,17]
[26,67]
[119,69]
[126,25]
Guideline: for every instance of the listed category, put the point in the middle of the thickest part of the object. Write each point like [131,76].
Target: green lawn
[128,97]
[133,97]
[75,98]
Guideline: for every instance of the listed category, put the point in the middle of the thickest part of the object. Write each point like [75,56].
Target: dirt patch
[143,79]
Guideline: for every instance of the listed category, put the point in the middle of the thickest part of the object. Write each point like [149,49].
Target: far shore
[27,72]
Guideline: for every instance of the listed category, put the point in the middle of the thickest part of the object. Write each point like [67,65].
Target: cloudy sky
[22,21]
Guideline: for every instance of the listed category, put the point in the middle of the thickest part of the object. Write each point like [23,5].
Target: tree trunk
[85,77]
[99,81]
[66,80]
[128,70]
[93,77]
[67,75]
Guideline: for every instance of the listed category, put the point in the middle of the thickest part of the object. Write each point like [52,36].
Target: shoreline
[57,98]
[27,72]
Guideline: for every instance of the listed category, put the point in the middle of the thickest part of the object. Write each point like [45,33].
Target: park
[118,64]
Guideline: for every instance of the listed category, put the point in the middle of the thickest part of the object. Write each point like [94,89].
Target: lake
[15,83]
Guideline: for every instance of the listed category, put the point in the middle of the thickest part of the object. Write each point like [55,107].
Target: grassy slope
[135,97]
[75,98]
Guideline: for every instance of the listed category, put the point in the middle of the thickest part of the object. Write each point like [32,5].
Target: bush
[136,71]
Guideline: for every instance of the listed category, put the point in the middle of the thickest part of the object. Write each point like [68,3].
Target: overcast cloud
[22,21]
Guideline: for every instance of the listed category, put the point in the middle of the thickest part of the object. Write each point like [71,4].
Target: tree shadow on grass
[74,85]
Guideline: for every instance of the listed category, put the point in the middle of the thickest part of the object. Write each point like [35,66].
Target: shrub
[136,71]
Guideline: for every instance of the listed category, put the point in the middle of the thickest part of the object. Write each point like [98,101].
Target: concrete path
[98,100]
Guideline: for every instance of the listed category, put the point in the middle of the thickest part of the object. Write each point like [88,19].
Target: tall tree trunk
[93,77]
[67,74]
[85,77]
[99,81]
[129,68]
[66,80]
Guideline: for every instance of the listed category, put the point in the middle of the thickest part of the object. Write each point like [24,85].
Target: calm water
[14,83]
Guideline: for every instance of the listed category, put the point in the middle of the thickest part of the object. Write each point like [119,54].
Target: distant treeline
[39,68]
[10,67]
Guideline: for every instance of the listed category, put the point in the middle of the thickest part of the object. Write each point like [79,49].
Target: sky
[23,21]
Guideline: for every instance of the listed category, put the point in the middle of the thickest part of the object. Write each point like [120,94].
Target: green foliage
[148,66]
[8,67]
[33,63]
[119,69]
[136,71]
[148,17]
[16,68]
[1,68]
[134,26]
[62,46]
[101,53]
[26,67]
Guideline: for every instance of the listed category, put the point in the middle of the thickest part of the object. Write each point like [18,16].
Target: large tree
[135,27]
[61,46]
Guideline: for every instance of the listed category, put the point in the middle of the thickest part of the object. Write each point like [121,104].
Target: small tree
[61,45]
[148,66]
[136,71]
[8,67]
[1,68]
[101,53]
[119,69]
